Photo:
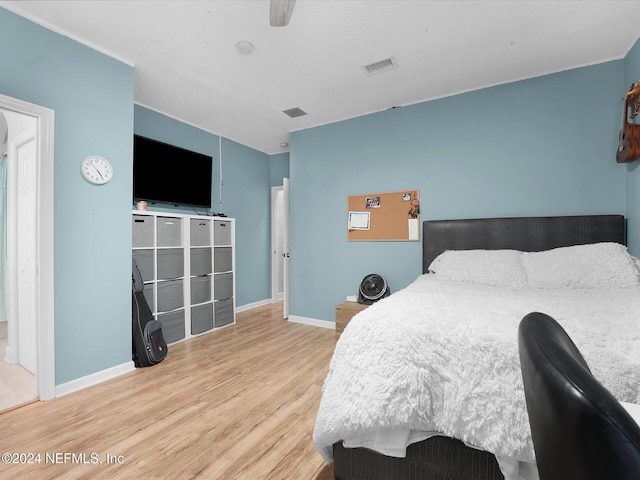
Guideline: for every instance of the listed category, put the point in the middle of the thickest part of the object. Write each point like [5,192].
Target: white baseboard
[94,378]
[312,321]
[250,306]
[292,318]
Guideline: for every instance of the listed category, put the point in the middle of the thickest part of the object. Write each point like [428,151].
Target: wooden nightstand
[345,312]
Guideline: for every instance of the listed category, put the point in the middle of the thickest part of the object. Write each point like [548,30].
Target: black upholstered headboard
[528,234]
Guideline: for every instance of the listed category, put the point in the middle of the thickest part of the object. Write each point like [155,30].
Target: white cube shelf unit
[187,263]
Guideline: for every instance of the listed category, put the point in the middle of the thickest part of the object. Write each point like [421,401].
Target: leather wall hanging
[629,139]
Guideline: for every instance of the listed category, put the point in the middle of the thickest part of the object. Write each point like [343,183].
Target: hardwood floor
[17,385]
[238,403]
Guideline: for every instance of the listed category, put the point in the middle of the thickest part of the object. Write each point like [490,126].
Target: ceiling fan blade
[280,12]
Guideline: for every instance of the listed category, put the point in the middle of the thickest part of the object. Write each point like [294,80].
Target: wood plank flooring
[238,403]
[17,385]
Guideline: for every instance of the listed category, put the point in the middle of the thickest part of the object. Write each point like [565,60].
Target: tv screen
[169,174]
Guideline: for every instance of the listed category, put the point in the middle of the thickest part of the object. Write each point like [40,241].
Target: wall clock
[96,170]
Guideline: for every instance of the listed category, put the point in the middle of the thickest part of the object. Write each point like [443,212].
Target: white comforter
[442,356]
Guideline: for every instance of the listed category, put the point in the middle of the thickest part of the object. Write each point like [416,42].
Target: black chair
[580,431]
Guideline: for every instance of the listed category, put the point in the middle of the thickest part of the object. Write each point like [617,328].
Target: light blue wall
[631,75]
[157,126]
[245,196]
[278,168]
[544,146]
[92,96]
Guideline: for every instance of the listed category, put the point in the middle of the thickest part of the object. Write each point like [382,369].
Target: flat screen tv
[164,173]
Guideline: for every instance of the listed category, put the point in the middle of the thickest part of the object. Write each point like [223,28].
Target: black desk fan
[372,288]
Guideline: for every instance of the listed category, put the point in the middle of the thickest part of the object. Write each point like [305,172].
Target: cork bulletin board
[390,216]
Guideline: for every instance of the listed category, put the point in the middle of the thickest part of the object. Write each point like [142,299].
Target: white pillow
[489,267]
[596,265]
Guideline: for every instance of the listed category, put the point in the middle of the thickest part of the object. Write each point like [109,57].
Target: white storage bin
[200,232]
[144,260]
[222,232]
[170,295]
[200,289]
[172,325]
[222,259]
[200,261]
[201,318]
[223,312]
[142,231]
[170,263]
[223,286]
[169,231]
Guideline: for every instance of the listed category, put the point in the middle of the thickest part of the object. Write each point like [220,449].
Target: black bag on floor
[149,346]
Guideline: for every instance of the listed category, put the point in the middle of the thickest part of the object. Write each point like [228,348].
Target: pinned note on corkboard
[390,216]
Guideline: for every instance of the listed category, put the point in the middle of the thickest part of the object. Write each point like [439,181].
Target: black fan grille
[373,286]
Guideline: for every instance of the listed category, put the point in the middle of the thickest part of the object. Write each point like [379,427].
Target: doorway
[17,318]
[280,246]
[28,276]
[277,246]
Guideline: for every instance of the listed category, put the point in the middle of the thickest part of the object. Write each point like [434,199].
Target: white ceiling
[187,65]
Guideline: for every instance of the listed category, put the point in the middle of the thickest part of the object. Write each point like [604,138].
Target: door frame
[276,256]
[286,287]
[45,378]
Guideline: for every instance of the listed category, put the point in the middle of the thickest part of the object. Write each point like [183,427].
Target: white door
[26,253]
[285,247]
[276,245]
[22,240]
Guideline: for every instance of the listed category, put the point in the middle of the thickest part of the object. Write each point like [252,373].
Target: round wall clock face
[96,170]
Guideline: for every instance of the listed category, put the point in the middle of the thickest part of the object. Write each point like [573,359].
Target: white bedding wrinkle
[441,356]
[597,265]
[490,267]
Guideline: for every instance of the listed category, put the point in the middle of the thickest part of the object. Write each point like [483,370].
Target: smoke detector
[245,47]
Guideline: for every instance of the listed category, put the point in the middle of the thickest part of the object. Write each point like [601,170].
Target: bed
[426,384]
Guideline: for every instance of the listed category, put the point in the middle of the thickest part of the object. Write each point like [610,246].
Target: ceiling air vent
[380,66]
[294,112]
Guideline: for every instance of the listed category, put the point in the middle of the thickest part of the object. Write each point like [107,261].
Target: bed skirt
[437,458]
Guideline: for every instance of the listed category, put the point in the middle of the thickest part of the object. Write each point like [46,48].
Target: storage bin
[223,312]
[144,260]
[200,289]
[200,231]
[201,318]
[142,231]
[223,286]
[222,259]
[170,295]
[169,232]
[172,325]
[170,263]
[200,261]
[221,232]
